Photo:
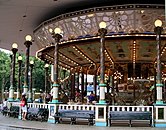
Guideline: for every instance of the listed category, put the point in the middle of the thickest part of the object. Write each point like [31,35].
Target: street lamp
[46,77]
[56,34]
[27,43]
[12,78]
[158,30]
[102,32]
[19,77]
[46,80]
[33,91]
[30,85]
[6,91]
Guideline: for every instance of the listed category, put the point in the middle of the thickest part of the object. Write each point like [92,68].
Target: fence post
[53,108]
[101,115]
[160,115]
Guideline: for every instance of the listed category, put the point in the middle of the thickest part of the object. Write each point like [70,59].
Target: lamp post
[33,91]
[27,43]
[30,85]
[11,91]
[19,77]
[64,75]
[6,91]
[46,80]
[56,35]
[46,77]
[158,30]
[102,31]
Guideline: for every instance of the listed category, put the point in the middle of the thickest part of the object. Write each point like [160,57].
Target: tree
[38,74]
[5,64]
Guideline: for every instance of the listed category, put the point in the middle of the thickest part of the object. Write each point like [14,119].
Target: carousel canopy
[130,38]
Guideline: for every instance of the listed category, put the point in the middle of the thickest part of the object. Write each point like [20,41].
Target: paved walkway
[7,123]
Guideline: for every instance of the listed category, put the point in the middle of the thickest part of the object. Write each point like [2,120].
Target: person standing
[24,106]
[4,105]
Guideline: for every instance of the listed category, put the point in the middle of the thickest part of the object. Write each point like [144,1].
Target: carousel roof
[21,17]
[130,37]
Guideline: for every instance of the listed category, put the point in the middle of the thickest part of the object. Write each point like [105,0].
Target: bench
[5,111]
[43,114]
[130,115]
[37,114]
[13,111]
[75,114]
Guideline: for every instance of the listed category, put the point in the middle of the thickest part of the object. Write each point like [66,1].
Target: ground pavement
[7,123]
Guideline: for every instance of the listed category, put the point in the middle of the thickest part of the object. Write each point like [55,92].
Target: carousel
[116,44]
[123,47]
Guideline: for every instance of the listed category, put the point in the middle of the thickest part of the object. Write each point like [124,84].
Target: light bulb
[28,38]
[50,30]
[19,58]
[158,23]
[46,65]
[102,25]
[57,31]
[14,45]
[31,62]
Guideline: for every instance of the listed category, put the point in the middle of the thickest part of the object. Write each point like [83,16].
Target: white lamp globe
[46,65]
[31,62]
[34,89]
[19,58]
[28,38]
[50,30]
[102,24]
[14,45]
[158,23]
[57,31]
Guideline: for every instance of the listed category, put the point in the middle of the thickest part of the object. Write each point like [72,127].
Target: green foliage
[4,70]
[5,63]
[38,73]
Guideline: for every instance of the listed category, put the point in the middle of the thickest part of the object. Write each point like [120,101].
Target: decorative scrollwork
[84,23]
